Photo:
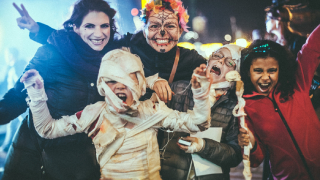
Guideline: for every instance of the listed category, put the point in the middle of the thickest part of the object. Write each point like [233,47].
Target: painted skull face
[162,31]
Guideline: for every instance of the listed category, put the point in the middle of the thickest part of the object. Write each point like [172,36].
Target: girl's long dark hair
[287,66]
[83,7]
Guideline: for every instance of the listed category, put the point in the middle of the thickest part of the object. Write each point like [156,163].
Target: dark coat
[32,157]
[162,63]
[176,163]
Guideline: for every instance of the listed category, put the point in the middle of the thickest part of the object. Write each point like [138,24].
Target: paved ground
[236,173]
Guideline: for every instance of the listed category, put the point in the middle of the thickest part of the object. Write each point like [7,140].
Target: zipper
[276,108]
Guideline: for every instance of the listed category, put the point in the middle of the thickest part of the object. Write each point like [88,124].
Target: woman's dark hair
[286,61]
[83,7]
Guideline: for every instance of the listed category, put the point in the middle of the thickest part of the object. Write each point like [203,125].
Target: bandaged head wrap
[235,51]
[117,65]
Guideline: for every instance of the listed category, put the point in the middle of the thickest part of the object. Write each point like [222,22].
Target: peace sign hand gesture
[25,21]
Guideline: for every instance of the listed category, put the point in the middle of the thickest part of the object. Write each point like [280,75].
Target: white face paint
[162,31]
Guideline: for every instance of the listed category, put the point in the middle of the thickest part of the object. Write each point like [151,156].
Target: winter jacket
[175,163]
[265,121]
[68,93]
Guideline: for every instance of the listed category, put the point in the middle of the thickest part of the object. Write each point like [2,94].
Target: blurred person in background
[278,24]
[13,69]
[257,34]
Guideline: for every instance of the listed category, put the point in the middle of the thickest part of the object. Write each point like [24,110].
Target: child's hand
[32,73]
[244,137]
[25,21]
[202,72]
[196,144]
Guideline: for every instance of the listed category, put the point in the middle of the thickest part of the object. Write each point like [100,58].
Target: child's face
[220,64]
[264,74]
[122,91]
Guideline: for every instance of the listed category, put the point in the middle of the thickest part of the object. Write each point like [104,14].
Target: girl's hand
[202,72]
[244,137]
[32,73]
[25,21]
[196,144]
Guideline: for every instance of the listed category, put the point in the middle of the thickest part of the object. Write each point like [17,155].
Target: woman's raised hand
[25,21]
[32,73]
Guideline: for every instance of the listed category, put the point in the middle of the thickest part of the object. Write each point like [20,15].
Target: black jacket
[162,63]
[71,157]
[68,92]
[176,163]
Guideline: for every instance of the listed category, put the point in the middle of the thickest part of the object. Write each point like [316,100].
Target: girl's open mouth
[215,70]
[264,86]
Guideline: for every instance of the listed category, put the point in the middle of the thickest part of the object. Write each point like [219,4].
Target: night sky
[249,15]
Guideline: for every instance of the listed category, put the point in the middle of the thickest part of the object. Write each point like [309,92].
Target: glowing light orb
[134,12]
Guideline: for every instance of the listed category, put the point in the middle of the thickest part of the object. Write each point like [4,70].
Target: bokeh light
[134,12]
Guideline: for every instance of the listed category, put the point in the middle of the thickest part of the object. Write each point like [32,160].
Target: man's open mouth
[122,96]
[97,41]
[215,70]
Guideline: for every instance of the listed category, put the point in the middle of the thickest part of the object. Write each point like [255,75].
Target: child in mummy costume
[123,129]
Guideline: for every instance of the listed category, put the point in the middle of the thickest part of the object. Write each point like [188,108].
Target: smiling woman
[94,30]
[162,31]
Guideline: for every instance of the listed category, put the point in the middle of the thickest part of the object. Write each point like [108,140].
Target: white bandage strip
[45,125]
[195,147]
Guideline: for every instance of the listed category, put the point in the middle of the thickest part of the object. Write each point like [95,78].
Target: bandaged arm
[194,120]
[46,126]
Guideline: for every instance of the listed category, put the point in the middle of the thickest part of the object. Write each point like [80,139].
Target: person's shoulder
[187,51]
[47,50]
[191,54]
[45,56]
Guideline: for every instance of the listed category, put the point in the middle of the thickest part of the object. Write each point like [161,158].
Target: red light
[134,11]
